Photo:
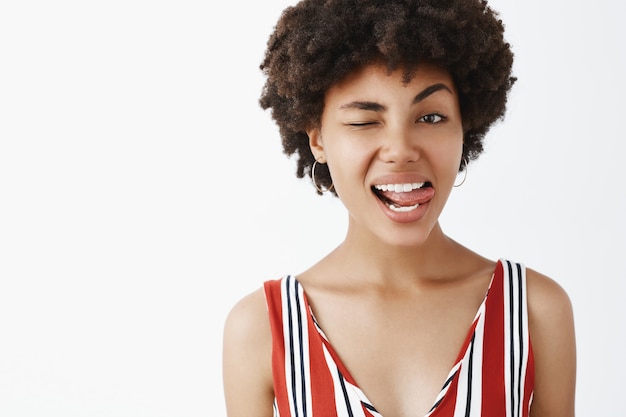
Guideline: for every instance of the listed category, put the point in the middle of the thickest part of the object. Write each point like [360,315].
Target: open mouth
[404,197]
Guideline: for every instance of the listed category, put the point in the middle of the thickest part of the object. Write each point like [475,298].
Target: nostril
[399,152]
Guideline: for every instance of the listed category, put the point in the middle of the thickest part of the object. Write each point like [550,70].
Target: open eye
[432,118]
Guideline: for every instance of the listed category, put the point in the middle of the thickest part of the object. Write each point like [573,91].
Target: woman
[384,103]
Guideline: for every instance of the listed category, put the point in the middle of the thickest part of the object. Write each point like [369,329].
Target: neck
[384,263]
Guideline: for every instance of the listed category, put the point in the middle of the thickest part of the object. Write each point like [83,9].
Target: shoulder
[549,306]
[247,320]
[551,326]
[247,355]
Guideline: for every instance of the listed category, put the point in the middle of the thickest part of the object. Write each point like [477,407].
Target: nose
[399,146]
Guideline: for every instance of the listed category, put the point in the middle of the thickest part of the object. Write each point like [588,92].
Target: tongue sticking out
[408,198]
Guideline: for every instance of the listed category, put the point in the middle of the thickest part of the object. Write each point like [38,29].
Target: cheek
[448,156]
[348,164]
[449,144]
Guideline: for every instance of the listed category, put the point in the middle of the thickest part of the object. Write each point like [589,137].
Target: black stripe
[521,338]
[444,387]
[300,338]
[449,380]
[291,353]
[345,394]
[470,371]
[511,332]
[369,407]
[436,404]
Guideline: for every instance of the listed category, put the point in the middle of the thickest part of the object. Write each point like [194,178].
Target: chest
[345,353]
[400,354]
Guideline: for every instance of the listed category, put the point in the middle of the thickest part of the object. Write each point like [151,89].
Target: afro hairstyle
[317,43]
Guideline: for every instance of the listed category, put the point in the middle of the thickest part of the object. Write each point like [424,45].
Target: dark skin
[405,280]
[466,37]
[247,341]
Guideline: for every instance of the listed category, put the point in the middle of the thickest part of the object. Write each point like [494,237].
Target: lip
[399,179]
[402,217]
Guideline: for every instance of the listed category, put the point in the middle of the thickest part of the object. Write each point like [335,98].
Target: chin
[406,239]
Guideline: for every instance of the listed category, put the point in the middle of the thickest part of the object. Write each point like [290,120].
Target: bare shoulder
[551,325]
[246,358]
[247,320]
[546,296]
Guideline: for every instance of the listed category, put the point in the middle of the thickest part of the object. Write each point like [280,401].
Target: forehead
[374,81]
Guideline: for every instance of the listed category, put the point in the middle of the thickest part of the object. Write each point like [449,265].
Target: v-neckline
[452,374]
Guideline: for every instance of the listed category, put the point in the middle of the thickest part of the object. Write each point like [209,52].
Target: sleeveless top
[493,375]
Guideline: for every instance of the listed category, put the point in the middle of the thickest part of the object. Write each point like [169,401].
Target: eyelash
[438,118]
[361,124]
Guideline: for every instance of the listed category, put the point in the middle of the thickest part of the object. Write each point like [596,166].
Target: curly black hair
[317,43]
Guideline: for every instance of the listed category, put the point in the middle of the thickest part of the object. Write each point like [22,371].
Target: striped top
[493,374]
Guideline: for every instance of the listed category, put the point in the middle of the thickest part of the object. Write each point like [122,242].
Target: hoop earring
[464,176]
[317,187]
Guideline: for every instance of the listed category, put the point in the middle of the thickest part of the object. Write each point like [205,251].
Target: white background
[143,191]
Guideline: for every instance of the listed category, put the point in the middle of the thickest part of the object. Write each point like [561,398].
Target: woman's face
[393,149]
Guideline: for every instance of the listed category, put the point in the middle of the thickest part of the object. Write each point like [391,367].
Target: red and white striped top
[492,376]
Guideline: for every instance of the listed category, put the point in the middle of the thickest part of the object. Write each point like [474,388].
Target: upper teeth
[400,188]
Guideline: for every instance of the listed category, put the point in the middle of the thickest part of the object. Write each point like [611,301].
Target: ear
[316,144]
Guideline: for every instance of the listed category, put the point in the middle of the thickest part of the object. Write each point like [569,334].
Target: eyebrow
[377,107]
[429,91]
